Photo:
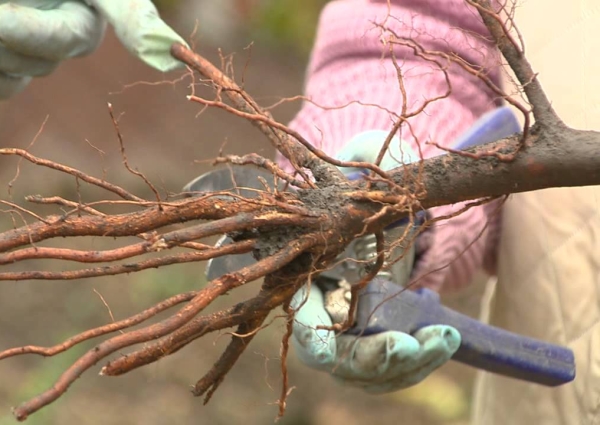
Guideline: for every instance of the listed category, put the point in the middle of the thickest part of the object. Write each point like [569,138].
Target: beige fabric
[548,287]
[548,282]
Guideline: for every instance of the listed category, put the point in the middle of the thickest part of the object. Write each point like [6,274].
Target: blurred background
[170,144]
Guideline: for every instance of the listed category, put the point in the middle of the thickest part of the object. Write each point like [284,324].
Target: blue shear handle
[492,126]
[384,306]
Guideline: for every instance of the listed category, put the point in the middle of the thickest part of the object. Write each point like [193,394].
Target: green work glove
[36,35]
[377,363]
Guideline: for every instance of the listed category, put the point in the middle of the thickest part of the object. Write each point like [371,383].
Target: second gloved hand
[378,363]
[36,35]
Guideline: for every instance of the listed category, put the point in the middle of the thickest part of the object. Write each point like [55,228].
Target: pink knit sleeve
[351,74]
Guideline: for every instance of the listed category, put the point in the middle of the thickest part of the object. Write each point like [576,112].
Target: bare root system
[293,234]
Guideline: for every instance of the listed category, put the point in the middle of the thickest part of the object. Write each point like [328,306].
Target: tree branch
[542,108]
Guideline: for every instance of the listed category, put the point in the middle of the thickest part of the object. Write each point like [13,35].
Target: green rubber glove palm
[378,363]
[36,35]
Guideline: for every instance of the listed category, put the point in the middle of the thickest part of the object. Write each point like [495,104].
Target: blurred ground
[164,138]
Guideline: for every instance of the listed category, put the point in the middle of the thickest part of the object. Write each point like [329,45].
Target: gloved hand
[377,363]
[36,35]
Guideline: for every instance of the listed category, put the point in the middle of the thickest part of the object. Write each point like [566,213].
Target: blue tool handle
[494,125]
[496,350]
[384,306]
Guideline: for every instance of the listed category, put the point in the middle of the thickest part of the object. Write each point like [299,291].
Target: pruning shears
[384,305]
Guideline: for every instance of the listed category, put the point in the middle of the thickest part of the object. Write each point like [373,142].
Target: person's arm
[350,63]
